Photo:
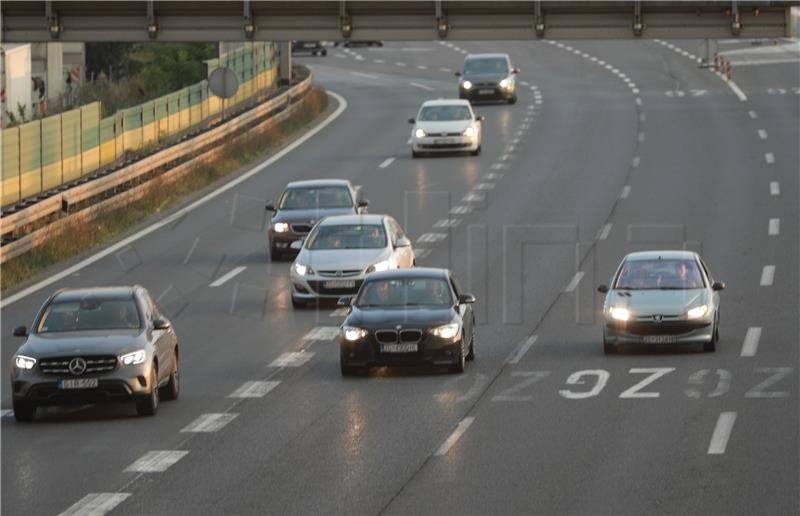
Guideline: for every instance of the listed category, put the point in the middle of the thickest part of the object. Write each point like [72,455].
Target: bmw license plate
[485,92]
[78,383]
[399,348]
[660,339]
[339,284]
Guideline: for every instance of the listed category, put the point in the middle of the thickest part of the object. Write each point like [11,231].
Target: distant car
[342,250]
[408,316]
[361,43]
[488,77]
[446,126]
[661,297]
[302,204]
[309,47]
[93,345]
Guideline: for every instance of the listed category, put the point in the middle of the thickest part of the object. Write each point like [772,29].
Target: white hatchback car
[341,250]
[446,126]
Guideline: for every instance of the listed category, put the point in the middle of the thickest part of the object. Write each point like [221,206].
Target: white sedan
[446,126]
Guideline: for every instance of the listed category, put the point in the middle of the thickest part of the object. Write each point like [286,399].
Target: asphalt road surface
[612,147]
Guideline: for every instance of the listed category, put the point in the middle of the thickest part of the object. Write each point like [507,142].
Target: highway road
[612,147]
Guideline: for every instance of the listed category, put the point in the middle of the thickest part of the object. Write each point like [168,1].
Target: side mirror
[345,301]
[21,331]
[363,203]
[603,289]
[718,285]
[412,121]
[466,299]
[402,242]
[480,118]
[515,70]
[161,324]
[296,245]
[270,207]
[457,74]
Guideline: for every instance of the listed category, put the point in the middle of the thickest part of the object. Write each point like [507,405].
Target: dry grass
[80,237]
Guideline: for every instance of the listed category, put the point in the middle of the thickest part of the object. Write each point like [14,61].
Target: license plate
[339,284]
[443,141]
[660,339]
[485,92]
[399,348]
[310,45]
[78,383]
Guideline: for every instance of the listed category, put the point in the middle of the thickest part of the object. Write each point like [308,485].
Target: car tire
[512,100]
[24,411]
[172,390]
[275,255]
[148,405]
[471,354]
[415,154]
[477,151]
[324,53]
[460,364]
[608,347]
[711,346]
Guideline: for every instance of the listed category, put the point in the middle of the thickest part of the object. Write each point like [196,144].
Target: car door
[161,339]
[464,311]
[404,255]
[710,281]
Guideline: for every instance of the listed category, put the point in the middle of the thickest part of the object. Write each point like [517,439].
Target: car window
[90,314]
[404,292]
[316,198]
[478,65]
[444,113]
[347,236]
[659,274]
[396,229]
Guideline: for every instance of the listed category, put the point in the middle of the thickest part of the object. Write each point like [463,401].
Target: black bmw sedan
[93,345]
[408,316]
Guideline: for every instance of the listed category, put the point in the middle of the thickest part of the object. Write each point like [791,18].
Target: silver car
[341,250]
[661,297]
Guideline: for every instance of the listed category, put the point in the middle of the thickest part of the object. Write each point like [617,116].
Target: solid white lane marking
[292,359]
[455,436]
[762,134]
[95,504]
[752,114]
[156,461]
[635,162]
[626,191]
[774,227]
[751,338]
[770,158]
[447,223]
[739,93]
[322,333]
[521,349]
[209,422]
[339,312]
[431,237]
[574,282]
[774,188]
[421,86]
[386,163]
[605,231]
[221,280]
[254,389]
[722,433]
[767,275]
[360,74]
[180,213]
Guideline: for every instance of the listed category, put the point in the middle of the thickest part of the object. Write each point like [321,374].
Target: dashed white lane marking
[635,91]
[641,136]
[474,197]
[191,250]
[292,359]
[460,210]
[642,117]
[770,158]
[752,114]
[626,191]
[521,349]
[751,338]
[635,162]
[421,86]
[95,504]
[422,253]
[379,61]
[525,83]
[774,188]
[431,237]
[762,134]
[322,333]
[399,63]
[638,101]
[221,280]
[455,436]
[774,227]
[6,413]
[464,51]
[573,284]
[339,312]
[339,55]
[156,461]
[767,275]
[484,186]
[209,423]
[254,389]
[422,67]
[447,223]
[446,70]
[385,163]
[722,433]
[605,231]
[366,75]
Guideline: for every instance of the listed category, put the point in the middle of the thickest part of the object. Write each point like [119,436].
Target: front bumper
[487,93]
[445,143]
[430,350]
[282,241]
[313,286]
[651,333]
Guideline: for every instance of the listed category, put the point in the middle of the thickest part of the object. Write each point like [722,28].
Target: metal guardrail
[207,144]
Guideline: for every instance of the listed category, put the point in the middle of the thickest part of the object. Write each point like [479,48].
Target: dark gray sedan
[95,345]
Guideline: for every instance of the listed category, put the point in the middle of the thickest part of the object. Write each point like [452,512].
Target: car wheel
[24,411]
[477,151]
[711,345]
[172,390]
[324,53]
[148,405]
[512,100]
[471,353]
[608,347]
[275,255]
[460,364]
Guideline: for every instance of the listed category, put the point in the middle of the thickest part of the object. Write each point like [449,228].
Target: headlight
[466,85]
[469,131]
[281,227]
[620,314]
[378,267]
[447,331]
[352,334]
[24,362]
[302,270]
[419,133]
[697,312]
[504,83]
[136,357]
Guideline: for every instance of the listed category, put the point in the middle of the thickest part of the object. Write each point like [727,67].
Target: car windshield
[404,292]
[316,198]
[480,65]
[90,314]
[347,236]
[659,274]
[444,113]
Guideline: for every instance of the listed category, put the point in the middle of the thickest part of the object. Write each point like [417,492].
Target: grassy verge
[80,237]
